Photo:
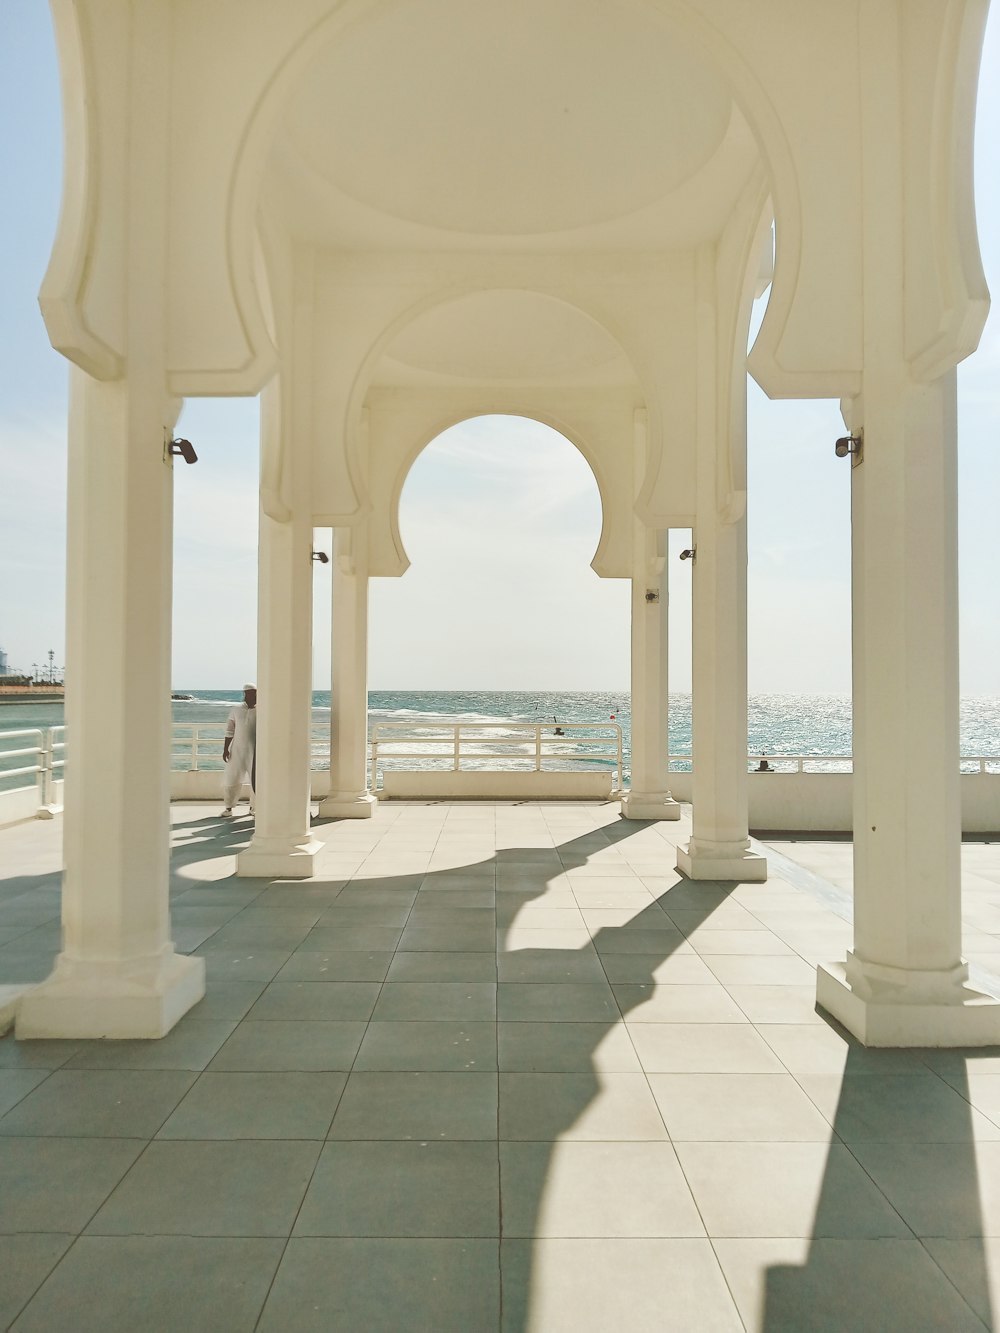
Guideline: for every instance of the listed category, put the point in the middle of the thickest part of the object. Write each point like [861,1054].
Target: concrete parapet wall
[822,802]
[25,803]
[451,785]
[808,802]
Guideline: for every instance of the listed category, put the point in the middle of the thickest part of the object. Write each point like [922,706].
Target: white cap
[249,685]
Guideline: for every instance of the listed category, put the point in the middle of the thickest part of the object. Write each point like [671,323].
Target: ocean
[777,723]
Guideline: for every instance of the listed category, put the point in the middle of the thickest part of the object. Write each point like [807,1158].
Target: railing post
[374,755]
[538,747]
[458,762]
[45,768]
[195,747]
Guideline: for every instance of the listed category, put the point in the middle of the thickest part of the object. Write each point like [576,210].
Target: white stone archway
[276,211]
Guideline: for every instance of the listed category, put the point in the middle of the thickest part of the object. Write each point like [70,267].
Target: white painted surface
[431,265]
[495,786]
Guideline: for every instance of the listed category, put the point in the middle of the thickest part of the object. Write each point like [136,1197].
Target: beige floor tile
[741,942]
[905,1108]
[703,1048]
[785,1189]
[741,970]
[677,1004]
[737,1108]
[842,1286]
[778,1004]
[818,1048]
[591,1286]
[595,1189]
[545,1107]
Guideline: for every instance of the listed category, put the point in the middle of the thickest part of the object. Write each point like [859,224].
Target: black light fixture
[321,556]
[185,449]
[851,444]
[689,554]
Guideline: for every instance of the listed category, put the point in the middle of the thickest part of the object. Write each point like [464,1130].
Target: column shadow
[897,1240]
[647,940]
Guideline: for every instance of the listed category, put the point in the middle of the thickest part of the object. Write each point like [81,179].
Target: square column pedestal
[278,857]
[650,805]
[890,1006]
[121,999]
[728,861]
[348,805]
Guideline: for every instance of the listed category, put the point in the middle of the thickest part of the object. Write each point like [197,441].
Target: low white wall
[206,785]
[821,802]
[19,805]
[405,784]
[981,803]
[807,802]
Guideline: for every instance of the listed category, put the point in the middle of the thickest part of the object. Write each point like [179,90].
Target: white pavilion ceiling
[504,337]
[464,123]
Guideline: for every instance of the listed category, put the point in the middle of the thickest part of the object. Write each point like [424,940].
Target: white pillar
[649,795]
[118,974]
[283,846]
[349,796]
[905,982]
[719,847]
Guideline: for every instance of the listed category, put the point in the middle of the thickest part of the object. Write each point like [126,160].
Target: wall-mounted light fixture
[689,554]
[853,445]
[321,556]
[183,448]
[652,594]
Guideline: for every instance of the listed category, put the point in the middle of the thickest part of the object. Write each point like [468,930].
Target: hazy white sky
[475,610]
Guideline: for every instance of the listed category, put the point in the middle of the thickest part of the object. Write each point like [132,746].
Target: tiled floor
[495,1067]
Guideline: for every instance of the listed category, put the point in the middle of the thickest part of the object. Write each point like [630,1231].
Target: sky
[475,610]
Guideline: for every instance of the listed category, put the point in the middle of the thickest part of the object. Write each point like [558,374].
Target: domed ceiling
[504,337]
[513,119]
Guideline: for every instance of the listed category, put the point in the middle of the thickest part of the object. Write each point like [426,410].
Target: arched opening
[799,573]
[501,517]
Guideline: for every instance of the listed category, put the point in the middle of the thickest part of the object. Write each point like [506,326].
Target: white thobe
[241,728]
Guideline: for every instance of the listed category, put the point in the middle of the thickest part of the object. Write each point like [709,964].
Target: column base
[650,805]
[348,805]
[142,997]
[889,1006]
[721,860]
[278,858]
[10,998]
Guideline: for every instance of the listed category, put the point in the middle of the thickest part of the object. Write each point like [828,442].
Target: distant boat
[182,696]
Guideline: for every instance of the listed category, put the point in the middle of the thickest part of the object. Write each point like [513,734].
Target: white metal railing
[45,750]
[808,763]
[34,751]
[197,742]
[54,763]
[197,745]
[486,745]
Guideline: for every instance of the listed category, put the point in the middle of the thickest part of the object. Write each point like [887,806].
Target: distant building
[3,663]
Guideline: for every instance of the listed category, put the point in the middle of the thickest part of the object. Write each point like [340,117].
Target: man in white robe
[239,750]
